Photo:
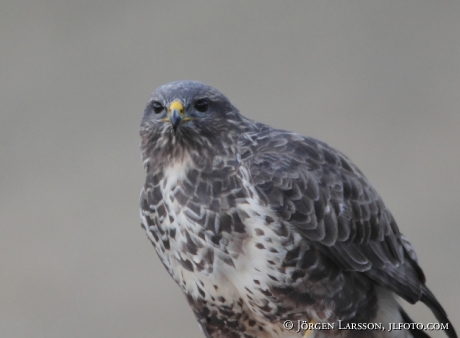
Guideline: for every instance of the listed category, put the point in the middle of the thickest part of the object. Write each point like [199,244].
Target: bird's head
[187,116]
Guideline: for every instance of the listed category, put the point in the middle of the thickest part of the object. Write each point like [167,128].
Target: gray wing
[318,191]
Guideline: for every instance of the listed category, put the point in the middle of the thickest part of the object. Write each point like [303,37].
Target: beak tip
[175,119]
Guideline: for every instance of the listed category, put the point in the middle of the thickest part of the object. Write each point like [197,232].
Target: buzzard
[269,233]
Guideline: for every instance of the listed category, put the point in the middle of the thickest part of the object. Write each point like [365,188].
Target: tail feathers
[430,300]
[416,333]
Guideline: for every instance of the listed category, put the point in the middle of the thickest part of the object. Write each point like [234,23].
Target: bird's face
[187,115]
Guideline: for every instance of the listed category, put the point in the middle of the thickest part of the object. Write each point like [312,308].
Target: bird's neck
[202,155]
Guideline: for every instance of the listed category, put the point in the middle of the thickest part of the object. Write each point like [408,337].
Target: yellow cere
[176,105]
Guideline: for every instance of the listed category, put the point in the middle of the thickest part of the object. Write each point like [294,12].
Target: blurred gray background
[379,80]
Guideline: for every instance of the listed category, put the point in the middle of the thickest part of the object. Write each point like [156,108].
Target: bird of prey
[269,233]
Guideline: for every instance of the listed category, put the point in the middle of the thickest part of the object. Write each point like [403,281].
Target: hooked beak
[176,114]
[175,118]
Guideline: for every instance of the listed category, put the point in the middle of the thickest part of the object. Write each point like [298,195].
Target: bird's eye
[157,107]
[201,105]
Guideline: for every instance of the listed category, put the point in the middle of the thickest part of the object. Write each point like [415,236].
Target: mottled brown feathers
[259,225]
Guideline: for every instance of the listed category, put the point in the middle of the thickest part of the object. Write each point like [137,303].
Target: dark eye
[201,105]
[157,107]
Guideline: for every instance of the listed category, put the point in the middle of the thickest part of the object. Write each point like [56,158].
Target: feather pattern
[258,225]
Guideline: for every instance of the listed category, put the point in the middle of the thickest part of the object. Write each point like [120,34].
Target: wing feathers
[321,193]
